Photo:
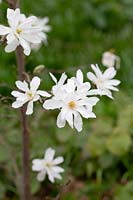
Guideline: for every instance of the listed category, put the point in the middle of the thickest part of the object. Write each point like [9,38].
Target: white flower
[28,95]
[103,81]
[21,31]
[48,165]
[110,60]
[72,103]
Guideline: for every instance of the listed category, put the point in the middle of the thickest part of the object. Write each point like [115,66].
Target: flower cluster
[48,165]
[24,31]
[71,97]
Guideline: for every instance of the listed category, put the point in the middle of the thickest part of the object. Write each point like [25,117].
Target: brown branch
[25,133]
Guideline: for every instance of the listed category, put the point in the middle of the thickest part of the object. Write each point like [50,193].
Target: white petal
[34,84]
[109,73]
[26,46]
[43,93]
[41,175]
[49,154]
[62,79]
[97,70]
[29,110]
[37,165]
[50,175]
[57,169]
[84,112]
[69,119]
[70,86]
[11,46]
[60,122]
[22,85]
[52,104]
[17,104]
[91,77]
[53,77]
[78,123]
[18,94]
[58,160]
[79,76]
[4,30]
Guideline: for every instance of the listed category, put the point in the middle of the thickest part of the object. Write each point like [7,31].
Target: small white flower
[72,102]
[110,60]
[21,31]
[103,81]
[28,95]
[48,165]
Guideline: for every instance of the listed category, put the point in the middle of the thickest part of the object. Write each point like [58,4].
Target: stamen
[19,31]
[72,104]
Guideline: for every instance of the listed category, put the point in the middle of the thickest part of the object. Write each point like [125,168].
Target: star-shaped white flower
[103,81]
[21,31]
[28,95]
[109,59]
[48,165]
[72,103]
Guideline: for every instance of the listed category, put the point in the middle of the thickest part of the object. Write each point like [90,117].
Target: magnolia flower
[48,165]
[28,95]
[71,103]
[103,81]
[110,60]
[21,31]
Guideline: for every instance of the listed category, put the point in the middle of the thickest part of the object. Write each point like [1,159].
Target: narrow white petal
[79,76]
[17,104]
[37,165]
[52,104]
[4,30]
[49,154]
[11,46]
[91,77]
[58,160]
[50,175]
[53,77]
[29,110]
[69,119]
[60,122]
[22,85]
[35,83]
[109,73]
[41,176]
[43,93]
[78,123]
[57,169]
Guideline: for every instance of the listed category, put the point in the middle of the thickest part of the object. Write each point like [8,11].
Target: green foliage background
[98,161]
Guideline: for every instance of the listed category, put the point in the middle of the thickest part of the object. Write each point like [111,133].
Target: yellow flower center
[72,104]
[30,94]
[48,165]
[19,31]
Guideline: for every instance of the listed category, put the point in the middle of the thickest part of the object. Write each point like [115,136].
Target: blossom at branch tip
[109,59]
[71,101]
[48,166]
[23,31]
[28,95]
[103,81]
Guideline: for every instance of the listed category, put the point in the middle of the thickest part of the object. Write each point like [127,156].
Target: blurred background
[99,160]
